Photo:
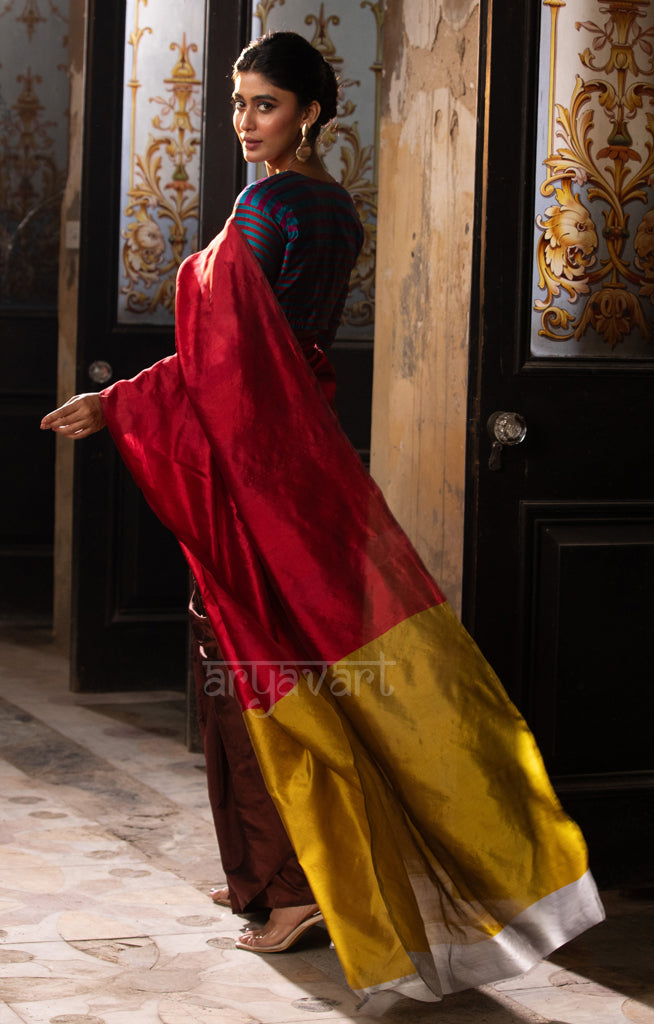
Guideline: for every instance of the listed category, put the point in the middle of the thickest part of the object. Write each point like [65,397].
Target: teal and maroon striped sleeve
[264,237]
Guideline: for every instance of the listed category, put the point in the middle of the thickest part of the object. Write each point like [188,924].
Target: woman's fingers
[78,417]
[64,418]
[71,428]
[71,409]
[58,419]
[77,433]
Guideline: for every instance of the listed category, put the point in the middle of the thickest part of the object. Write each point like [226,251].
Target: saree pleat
[411,788]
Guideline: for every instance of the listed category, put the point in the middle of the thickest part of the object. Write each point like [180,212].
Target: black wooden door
[28,372]
[33,146]
[130,580]
[560,527]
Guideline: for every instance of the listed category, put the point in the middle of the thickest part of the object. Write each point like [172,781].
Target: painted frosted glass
[594,211]
[160,158]
[34,100]
[350,37]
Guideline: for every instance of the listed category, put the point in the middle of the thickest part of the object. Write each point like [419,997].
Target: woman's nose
[246,121]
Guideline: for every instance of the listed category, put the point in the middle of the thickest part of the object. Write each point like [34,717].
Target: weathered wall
[424,258]
[68,291]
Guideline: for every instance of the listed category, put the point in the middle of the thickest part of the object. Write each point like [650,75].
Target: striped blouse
[306,235]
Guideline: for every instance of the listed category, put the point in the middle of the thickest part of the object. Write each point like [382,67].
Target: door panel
[27,459]
[130,578]
[352,361]
[589,639]
[143,583]
[559,530]
[34,102]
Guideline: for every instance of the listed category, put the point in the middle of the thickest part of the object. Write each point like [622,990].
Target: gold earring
[305,149]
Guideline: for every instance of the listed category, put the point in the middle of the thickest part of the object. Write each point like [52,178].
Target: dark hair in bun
[290,62]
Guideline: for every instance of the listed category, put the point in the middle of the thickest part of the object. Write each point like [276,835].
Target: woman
[284,93]
[306,234]
[409,786]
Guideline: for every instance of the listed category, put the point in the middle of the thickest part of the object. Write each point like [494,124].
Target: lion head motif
[569,238]
[644,243]
[143,250]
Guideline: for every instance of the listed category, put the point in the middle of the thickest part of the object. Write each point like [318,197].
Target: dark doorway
[130,581]
[560,527]
[34,97]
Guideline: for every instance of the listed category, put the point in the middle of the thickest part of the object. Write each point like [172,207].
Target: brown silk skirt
[260,865]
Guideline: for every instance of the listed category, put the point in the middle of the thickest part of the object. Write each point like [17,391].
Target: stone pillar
[423,283]
[67,309]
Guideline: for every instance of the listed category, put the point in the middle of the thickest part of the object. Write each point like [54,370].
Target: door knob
[504,428]
[100,372]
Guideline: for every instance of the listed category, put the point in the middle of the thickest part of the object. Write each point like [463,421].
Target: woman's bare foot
[283,928]
[220,895]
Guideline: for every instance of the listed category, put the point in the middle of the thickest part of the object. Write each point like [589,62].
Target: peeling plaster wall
[67,311]
[424,260]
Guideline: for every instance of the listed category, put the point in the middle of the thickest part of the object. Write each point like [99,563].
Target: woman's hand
[78,417]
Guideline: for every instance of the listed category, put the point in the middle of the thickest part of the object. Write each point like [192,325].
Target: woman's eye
[265,107]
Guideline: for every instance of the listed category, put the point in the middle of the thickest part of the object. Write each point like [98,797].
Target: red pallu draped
[409,785]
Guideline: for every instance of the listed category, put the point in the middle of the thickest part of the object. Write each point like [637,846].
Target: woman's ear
[311,113]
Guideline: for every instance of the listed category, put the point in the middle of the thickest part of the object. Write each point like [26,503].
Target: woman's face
[268,120]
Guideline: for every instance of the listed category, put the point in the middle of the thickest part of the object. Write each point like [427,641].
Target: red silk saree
[409,785]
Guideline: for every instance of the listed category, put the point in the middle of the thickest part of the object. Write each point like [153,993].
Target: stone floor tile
[106,854]
[583,1001]
[538,976]
[9,1016]
[637,1012]
[471,1007]
[131,918]
[59,846]
[79,1010]
[99,959]
[74,915]
[31,814]
[36,924]
[269,991]
[196,1011]
[592,1007]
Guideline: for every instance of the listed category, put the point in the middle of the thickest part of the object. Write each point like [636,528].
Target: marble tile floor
[107,850]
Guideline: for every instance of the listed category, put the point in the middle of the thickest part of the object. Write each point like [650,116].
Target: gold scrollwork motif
[147,261]
[262,10]
[31,16]
[358,163]
[321,39]
[595,194]
[30,193]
